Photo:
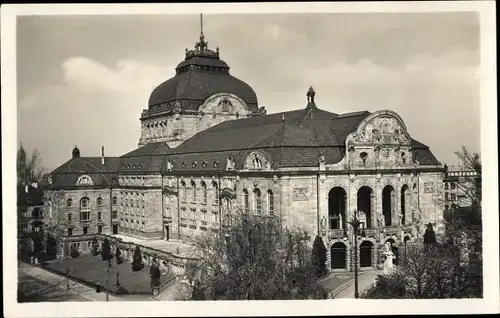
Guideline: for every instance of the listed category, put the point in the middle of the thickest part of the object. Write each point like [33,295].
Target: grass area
[91,270]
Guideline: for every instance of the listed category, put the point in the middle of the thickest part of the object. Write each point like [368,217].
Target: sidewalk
[364,281]
[75,288]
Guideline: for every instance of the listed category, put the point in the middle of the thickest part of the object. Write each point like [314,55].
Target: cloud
[95,105]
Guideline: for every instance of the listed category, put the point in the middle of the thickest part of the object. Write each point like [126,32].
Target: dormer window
[256,162]
[225,105]
[184,165]
[194,164]
[216,163]
[84,180]
[204,164]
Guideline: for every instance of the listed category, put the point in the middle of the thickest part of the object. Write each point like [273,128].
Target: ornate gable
[381,140]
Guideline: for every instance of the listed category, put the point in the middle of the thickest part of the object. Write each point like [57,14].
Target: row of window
[257,201]
[133,224]
[85,230]
[203,215]
[85,202]
[194,192]
[85,216]
[450,185]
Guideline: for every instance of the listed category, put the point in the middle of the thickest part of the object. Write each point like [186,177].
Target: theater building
[207,149]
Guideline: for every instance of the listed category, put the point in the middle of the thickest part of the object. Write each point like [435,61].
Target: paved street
[33,289]
[52,282]
[365,280]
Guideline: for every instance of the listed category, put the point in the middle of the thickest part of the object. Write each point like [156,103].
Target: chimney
[103,160]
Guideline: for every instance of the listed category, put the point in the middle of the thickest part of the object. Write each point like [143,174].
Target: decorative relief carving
[429,187]
[300,194]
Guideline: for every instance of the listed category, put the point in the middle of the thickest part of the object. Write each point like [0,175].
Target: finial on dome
[201,45]
[310,98]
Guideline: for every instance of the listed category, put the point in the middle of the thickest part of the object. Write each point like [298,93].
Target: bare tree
[34,167]
[252,257]
[433,271]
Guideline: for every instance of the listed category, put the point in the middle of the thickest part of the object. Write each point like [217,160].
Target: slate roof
[289,139]
[144,159]
[67,174]
[198,77]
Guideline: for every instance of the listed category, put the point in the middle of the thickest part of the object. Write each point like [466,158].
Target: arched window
[84,180]
[193,187]
[226,204]
[85,209]
[99,201]
[270,202]
[257,163]
[115,201]
[69,203]
[216,193]
[257,199]
[204,189]
[246,205]
[183,191]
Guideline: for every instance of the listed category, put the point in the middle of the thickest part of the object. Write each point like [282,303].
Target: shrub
[74,252]
[319,257]
[118,255]
[137,263]
[95,247]
[106,250]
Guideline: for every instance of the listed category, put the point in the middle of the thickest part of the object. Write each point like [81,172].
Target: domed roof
[201,75]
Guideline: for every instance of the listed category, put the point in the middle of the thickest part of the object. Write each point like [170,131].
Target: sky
[84,80]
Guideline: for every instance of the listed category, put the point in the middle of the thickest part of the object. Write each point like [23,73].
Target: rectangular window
[446,196]
[99,216]
[99,229]
[453,185]
[453,198]
[204,216]
[114,214]
[446,185]
[214,217]
[70,232]
[85,216]
[70,218]
[193,215]
[85,230]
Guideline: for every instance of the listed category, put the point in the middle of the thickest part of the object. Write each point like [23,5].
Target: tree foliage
[95,247]
[430,235]
[319,256]
[432,271]
[253,258]
[137,264]
[118,255]
[106,250]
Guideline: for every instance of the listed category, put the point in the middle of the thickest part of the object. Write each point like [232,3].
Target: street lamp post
[355,223]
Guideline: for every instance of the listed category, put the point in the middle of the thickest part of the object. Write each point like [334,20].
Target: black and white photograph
[321,154]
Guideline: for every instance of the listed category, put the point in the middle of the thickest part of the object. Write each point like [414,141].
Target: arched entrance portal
[365,254]
[337,255]
[395,251]
[388,204]
[365,198]
[337,208]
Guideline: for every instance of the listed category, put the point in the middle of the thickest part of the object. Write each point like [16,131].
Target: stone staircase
[175,289]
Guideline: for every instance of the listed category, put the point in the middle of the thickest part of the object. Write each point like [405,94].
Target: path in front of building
[163,245]
[75,288]
[346,290]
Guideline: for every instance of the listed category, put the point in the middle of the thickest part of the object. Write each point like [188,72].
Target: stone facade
[394,195]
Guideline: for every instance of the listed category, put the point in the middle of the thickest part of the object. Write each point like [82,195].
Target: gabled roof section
[83,165]
[150,149]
